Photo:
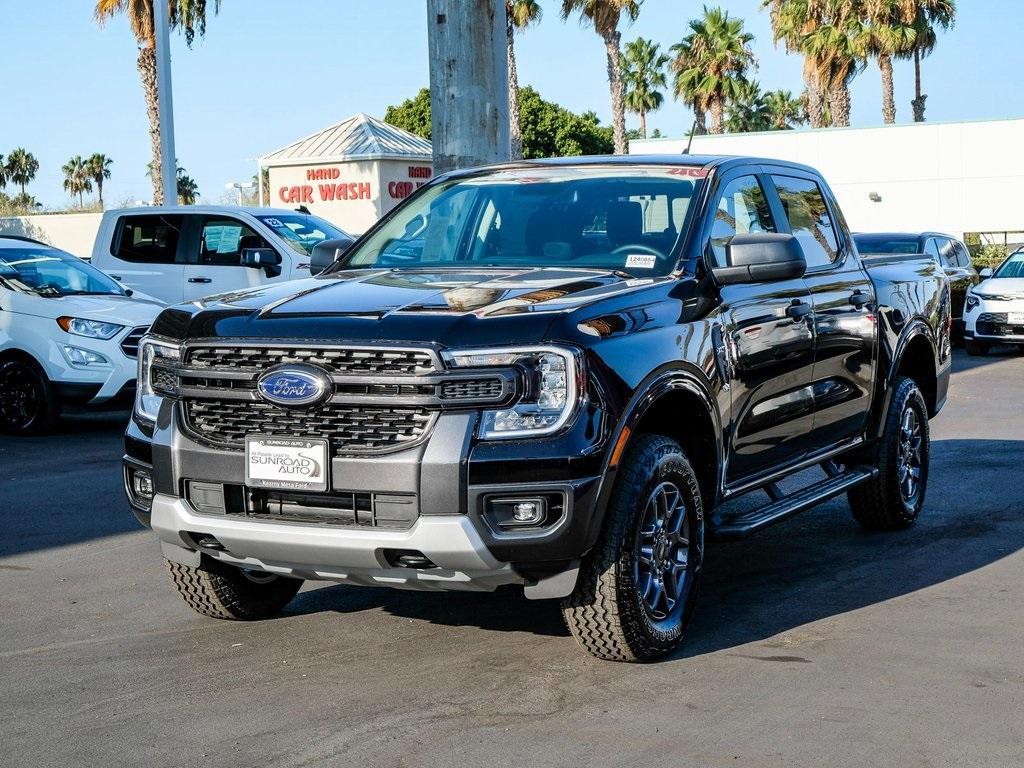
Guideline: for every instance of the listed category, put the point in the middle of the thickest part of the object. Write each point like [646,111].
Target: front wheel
[27,404]
[637,588]
[226,592]
[894,497]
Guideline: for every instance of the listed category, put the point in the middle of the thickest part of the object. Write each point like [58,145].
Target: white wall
[71,232]
[950,177]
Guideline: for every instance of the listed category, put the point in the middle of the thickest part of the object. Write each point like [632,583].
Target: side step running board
[786,506]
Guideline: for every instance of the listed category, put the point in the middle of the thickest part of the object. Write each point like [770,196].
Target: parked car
[951,253]
[69,336]
[554,374]
[187,252]
[995,307]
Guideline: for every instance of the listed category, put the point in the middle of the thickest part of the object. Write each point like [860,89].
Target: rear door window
[809,219]
[947,250]
[963,257]
[148,239]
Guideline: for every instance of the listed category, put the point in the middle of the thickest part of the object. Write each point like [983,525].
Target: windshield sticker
[273,223]
[689,171]
[640,261]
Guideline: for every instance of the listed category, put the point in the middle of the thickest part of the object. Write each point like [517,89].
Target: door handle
[859,299]
[200,280]
[798,309]
[116,277]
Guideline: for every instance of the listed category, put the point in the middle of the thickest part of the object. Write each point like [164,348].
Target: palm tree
[77,180]
[99,169]
[188,190]
[711,62]
[930,16]
[792,21]
[188,16]
[889,32]
[748,110]
[686,84]
[643,72]
[604,16]
[21,167]
[519,14]
[3,173]
[837,50]
[786,110]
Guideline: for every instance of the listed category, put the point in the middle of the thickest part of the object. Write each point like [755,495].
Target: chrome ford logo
[294,386]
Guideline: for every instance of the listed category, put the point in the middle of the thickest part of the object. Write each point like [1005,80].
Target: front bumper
[990,321]
[447,480]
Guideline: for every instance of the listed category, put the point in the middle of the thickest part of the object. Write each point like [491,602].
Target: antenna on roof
[689,142]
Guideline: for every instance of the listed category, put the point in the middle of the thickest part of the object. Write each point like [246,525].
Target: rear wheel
[894,497]
[226,592]
[976,348]
[27,404]
[637,588]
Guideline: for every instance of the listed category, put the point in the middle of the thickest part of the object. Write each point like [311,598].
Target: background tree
[643,73]
[792,21]
[930,16]
[836,48]
[412,115]
[188,190]
[99,170]
[889,32]
[748,110]
[711,62]
[786,110]
[21,167]
[687,84]
[3,173]
[604,16]
[519,14]
[187,16]
[76,178]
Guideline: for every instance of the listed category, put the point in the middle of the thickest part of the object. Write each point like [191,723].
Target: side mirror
[985,273]
[266,259]
[327,252]
[761,258]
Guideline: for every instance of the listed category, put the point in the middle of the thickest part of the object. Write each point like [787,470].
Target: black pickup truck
[554,374]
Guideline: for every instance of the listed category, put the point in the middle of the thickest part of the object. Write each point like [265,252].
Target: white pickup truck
[183,253]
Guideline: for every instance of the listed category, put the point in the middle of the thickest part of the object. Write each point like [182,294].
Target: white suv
[69,336]
[994,309]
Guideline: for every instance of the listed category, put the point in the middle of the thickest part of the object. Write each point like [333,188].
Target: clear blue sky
[270,72]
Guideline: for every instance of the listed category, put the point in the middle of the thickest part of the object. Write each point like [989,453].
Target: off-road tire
[879,504]
[976,348]
[225,592]
[605,613]
[20,377]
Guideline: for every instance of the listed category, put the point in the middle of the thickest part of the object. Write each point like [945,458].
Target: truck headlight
[147,400]
[552,393]
[91,329]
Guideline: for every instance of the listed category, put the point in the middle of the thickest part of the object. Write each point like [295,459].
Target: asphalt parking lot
[814,643]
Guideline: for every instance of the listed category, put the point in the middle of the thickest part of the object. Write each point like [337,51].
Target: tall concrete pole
[468,83]
[165,102]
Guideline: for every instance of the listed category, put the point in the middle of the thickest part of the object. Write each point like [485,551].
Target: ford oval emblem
[294,386]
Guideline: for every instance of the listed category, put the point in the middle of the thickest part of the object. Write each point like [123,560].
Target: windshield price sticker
[291,464]
[641,261]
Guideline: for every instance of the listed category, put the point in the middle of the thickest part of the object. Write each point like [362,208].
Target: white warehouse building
[947,177]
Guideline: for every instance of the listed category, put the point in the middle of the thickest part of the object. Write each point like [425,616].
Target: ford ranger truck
[555,374]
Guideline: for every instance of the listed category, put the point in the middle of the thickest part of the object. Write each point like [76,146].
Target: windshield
[52,273]
[302,231]
[628,219]
[869,246]
[1012,267]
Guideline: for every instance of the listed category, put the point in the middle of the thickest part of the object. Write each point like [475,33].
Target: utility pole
[468,83]
[168,158]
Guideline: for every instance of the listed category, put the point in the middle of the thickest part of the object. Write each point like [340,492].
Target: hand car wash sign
[352,194]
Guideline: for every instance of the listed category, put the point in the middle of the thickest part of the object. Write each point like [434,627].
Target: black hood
[445,306]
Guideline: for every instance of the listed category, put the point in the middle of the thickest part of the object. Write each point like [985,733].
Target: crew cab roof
[210,209]
[707,162]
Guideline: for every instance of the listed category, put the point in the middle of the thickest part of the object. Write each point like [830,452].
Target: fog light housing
[142,484]
[517,512]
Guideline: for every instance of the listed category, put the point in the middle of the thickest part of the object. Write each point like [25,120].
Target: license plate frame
[1015,318]
[288,464]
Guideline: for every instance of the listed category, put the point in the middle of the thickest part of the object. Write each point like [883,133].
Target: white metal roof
[359,138]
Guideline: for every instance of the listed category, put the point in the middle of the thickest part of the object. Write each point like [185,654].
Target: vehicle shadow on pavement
[815,566]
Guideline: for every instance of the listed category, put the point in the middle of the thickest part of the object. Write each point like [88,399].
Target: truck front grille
[350,429]
[353,361]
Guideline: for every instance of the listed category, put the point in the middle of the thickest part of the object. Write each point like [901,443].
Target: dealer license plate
[1015,318]
[299,464]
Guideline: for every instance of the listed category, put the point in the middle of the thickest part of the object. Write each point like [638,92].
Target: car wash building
[350,173]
